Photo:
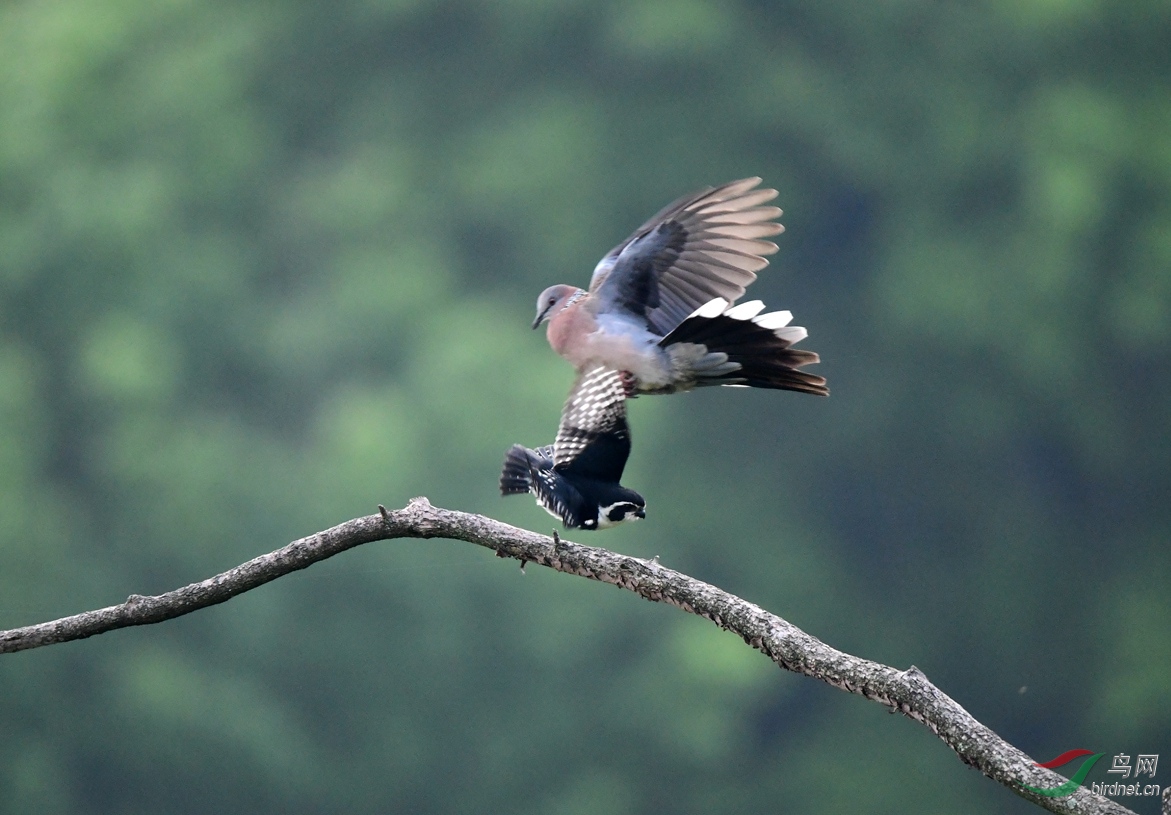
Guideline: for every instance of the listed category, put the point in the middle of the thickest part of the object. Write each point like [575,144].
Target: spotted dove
[659,307]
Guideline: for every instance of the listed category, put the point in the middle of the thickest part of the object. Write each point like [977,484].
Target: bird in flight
[659,306]
[659,317]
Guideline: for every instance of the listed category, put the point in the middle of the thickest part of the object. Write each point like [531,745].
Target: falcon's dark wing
[703,246]
[532,471]
[593,440]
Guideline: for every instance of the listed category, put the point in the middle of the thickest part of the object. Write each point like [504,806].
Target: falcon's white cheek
[625,511]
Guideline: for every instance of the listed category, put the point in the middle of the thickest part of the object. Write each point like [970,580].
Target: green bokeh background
[265,264]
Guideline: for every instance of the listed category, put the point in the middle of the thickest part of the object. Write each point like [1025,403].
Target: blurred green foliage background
[267,263]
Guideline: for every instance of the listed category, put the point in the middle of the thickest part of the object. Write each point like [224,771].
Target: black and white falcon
[576,478]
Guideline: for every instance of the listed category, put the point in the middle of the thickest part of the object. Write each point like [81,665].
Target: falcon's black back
[579,502]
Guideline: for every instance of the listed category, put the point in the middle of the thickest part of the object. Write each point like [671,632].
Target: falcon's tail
[517,476]
[718,345]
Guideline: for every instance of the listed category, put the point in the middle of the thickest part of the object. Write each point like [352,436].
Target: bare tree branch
[909,692]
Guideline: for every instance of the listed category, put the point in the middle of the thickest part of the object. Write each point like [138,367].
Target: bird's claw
[629,384]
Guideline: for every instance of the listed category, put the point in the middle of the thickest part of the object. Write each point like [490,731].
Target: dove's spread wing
[593,440]
[703,246]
